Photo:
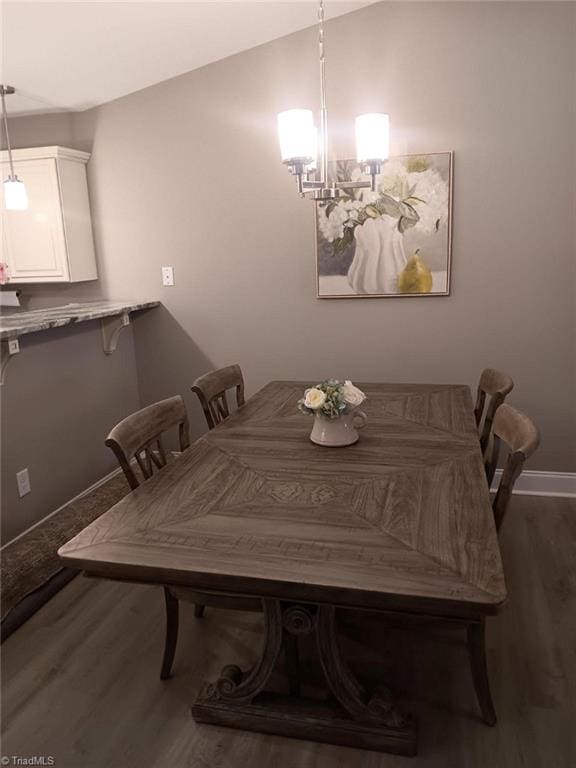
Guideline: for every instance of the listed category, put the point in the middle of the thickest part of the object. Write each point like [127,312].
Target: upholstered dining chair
[137,443]
[522,437]
[211,389]
[497,386]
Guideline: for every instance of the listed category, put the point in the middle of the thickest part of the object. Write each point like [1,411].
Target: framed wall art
[394,242]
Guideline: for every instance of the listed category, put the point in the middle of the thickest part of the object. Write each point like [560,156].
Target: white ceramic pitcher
[333,433]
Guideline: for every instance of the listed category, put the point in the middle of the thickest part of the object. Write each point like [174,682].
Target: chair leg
[199,610]
[171,634]
[477,651]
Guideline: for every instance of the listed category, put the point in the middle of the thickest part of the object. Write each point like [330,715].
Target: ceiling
[75,55]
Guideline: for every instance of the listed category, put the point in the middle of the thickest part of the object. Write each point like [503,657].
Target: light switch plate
[168,276]
[23,480]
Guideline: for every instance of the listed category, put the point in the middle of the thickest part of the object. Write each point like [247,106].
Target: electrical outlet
[168,276]
[23,480]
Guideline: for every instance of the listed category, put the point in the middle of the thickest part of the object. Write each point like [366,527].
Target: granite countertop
[17,323]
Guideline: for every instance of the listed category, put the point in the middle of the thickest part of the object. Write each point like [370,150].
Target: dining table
[398,523]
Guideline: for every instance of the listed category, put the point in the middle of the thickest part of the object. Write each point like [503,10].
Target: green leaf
[388,205]
[405,223]
[372,211]
[329,208]
[409,212]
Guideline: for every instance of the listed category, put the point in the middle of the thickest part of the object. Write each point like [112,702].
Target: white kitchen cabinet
[51,241]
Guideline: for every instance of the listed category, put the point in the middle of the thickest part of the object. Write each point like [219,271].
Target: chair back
[496,385]
[211,390]
[139,436]
[522,437]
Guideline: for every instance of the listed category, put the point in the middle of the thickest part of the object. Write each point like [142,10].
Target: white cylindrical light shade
[15,197]
[372,137]
[297,135]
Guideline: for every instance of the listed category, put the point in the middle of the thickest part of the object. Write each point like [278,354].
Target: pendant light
[15,197]
[299,142]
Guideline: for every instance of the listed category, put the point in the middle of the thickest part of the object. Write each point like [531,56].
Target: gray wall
[62,394]
[187,173]
[61,397]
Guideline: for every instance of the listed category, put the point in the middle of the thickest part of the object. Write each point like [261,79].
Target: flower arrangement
[331,398]
[409,191]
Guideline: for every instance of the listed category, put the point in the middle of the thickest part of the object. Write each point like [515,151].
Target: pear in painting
[416,277]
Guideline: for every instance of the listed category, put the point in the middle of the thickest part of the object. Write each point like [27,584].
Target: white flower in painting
[352,395]
[314,398]
[394,179]
[332,226]
[432,193]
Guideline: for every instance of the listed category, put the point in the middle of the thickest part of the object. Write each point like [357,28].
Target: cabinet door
[34,245]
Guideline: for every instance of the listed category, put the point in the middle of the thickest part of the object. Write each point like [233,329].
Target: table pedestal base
[357,718]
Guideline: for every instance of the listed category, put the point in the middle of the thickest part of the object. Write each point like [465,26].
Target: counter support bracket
[111,328]
[10,347]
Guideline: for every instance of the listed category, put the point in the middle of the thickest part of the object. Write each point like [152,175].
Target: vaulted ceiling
[76,55]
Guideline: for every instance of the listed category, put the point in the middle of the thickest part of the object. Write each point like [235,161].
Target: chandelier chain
[323,148]
[5,121]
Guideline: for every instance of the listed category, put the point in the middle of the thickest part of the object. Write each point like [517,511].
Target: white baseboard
[85,492]
[533,483]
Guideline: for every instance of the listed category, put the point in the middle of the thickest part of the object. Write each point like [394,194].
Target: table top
[400,521]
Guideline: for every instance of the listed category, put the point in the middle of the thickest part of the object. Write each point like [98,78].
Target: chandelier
[15,197]
[299,142]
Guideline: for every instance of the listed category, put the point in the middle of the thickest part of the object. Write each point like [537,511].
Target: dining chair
[522,437]
[496,385]
[211,389]
[137,444]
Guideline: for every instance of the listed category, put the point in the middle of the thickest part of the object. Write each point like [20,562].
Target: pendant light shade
[298,136]
[15,197]
[372,137]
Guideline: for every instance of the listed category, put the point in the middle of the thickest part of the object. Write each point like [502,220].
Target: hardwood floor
[80,679]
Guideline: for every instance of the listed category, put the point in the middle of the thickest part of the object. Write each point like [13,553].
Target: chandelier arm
[353,184]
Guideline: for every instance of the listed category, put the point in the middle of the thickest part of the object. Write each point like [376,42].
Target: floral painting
[395,241]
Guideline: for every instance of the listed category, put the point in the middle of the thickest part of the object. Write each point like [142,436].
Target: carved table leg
[378,707]
[358,719]
[292,655]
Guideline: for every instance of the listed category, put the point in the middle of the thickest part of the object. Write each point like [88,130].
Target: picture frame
[392,243]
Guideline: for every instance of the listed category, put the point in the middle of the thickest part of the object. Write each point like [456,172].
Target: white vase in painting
[379,257]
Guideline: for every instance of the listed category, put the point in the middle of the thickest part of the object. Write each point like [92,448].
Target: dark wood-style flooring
[80,679]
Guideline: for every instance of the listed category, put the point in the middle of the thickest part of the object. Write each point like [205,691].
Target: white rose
[314,398]
[352,395]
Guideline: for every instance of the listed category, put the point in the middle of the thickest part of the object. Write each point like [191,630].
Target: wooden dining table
[400,522]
